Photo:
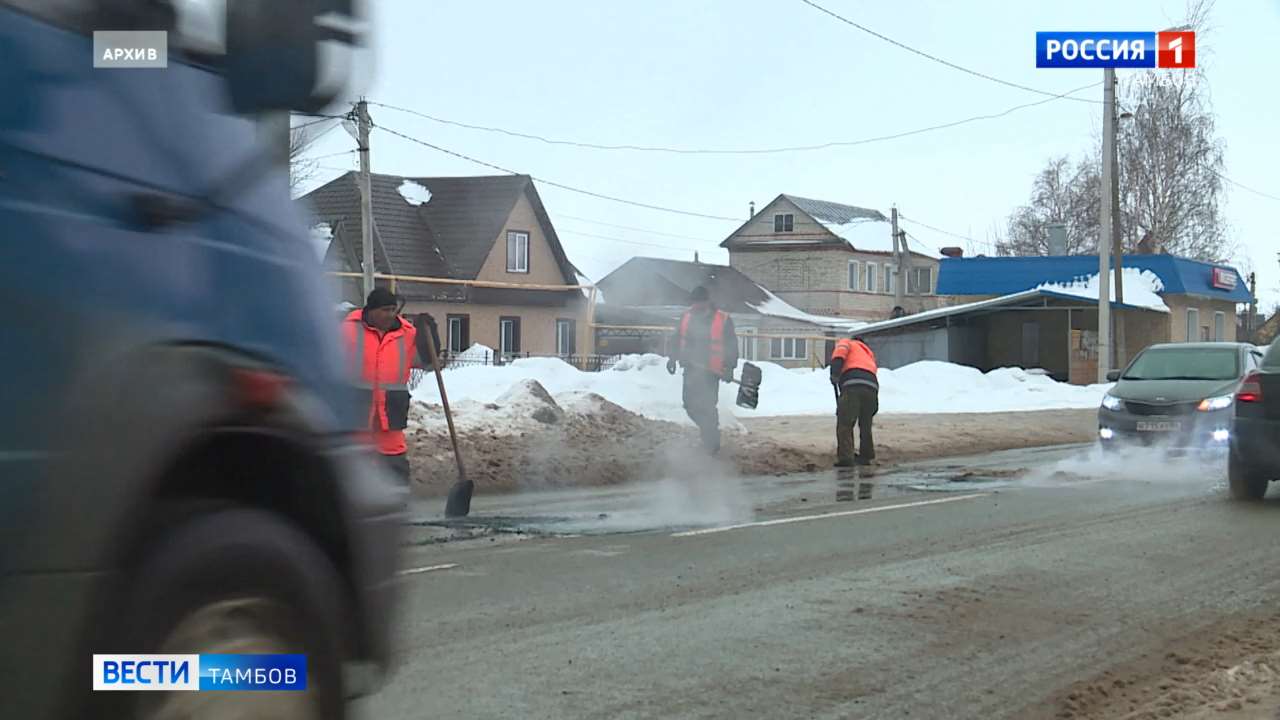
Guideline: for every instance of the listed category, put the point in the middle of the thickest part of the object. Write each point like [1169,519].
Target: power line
[552,183]
[332,155]
[1242,186]
[935,58]
[938,230]
[628,242]
[627,227]
[740,151]
[325,118]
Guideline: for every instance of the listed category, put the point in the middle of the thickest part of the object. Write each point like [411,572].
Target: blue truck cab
[177,469]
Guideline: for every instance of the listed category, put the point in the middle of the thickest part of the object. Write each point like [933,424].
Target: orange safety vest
[716,362]
[380,366]
[857,356]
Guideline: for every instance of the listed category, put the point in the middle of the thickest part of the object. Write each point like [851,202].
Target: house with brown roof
[828,258]
[492,232]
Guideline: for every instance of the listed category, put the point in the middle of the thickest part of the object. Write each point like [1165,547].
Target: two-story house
[492,233]
[831,259]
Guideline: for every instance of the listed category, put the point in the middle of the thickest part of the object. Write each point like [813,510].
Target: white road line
[429,568]
[824,516]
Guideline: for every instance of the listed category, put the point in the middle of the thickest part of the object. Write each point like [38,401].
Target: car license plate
[1159,426]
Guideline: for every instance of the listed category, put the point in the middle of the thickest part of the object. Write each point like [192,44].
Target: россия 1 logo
[1172,49]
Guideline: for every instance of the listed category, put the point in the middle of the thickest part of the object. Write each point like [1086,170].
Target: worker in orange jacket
[707,347]
[382,347]
[853,373]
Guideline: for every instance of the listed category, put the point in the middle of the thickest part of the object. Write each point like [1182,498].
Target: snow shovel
[459,502]
[748,385]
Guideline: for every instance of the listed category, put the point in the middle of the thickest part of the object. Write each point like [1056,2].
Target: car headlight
[1111,402]
[1222,402]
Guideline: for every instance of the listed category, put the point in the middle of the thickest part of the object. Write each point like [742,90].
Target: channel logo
[1173,49]
[193,673]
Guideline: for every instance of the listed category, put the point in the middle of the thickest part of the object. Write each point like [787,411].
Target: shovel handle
[444,400]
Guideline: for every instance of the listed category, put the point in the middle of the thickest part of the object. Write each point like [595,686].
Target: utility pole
[1104,229]
[1117,242]
[366,196]
[1253,307]
[898,288]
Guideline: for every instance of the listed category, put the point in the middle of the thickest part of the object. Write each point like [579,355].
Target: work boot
[844,463]
[863,461]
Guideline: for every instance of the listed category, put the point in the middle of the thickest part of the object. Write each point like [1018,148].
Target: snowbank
[1142,288]
[413,193]
[641,384]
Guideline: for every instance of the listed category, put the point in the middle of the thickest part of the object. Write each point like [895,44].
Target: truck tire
[239,581]
[1244,483]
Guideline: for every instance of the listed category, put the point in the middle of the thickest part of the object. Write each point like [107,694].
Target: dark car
[177,468]
[1255,444]
[1177,396]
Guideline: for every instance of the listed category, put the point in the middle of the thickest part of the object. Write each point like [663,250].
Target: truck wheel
[1244,483]
[239,581]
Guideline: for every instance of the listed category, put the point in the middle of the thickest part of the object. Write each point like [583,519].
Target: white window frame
[786,348]
[521,239]
[1219,326]
[503,324]
[747,343]
[890,279]
[855,275]
[565,339]
[450,324]
[780,222]
[915,273]
[1193,324]
[873,277]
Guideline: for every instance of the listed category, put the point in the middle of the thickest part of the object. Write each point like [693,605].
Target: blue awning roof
[1008,275]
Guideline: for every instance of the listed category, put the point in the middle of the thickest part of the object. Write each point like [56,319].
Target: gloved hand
[727,376]
[671,365]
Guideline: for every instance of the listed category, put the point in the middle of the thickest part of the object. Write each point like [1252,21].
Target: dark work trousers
[701,395]
[398,465]
[858,404]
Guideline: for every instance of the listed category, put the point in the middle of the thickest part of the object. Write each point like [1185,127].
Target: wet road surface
[977,587]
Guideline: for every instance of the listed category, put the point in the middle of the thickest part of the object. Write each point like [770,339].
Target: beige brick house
[831,259]
[489,229]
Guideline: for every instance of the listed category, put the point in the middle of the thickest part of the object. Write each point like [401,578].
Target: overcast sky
[778,73]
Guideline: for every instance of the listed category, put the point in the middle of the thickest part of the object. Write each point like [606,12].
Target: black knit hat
[699,294]
[380,298]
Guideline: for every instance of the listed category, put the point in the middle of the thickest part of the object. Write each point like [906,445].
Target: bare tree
[1063,192]
[300,168]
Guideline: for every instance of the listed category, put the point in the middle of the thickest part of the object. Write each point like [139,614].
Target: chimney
[752,211]
[1057,238]
[953,252]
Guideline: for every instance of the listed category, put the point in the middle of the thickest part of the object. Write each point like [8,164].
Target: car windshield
[1185,364]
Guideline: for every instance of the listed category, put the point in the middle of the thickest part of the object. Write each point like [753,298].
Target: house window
[855,275]
[517,251]
[1193,325]
[890,278]
[1219,326]
[459,332]
[509,335]
[784,222]
[920,281]
[873,271]
[747,343]
[788,348]
[566,337]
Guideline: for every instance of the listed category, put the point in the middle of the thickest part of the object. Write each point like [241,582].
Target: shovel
[748,385]
[459,502]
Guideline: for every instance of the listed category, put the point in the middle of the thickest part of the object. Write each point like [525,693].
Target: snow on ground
[775,306]
[413,193]
[641,384]
[321,236]
[1142,288]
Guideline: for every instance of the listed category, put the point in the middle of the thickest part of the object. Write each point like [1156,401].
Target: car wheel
[1244,483]
[239,582]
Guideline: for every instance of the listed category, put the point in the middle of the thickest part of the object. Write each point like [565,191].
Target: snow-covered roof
[1142,289]
[413,193]
[321,236]
[871,236]
[775,306]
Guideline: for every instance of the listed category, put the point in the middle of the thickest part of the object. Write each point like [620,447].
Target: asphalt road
[960,589]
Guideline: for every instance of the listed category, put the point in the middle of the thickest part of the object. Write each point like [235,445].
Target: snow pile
[775,306]
[1142,288]
[641,384]
[413,193]
[529,399]
[321,236]
[475,353]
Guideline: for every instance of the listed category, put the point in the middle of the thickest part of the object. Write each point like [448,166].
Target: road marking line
[824,516]
[429,568]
